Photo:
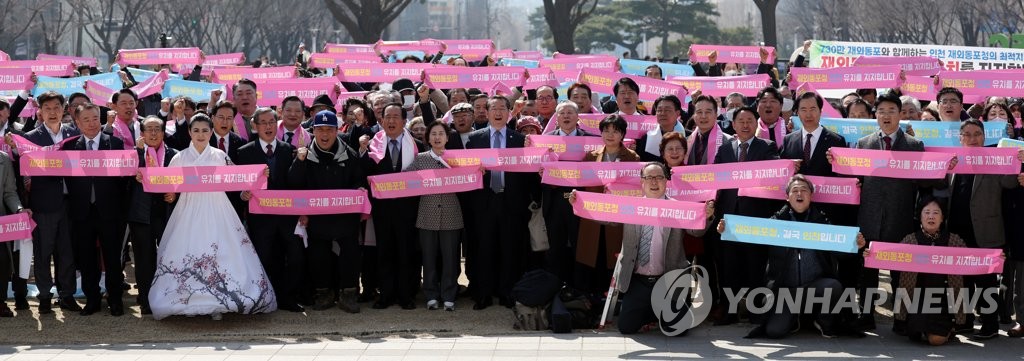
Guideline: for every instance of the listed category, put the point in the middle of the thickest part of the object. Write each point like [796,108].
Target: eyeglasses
[654,178]
[546,98]
[949,101]
[152,129]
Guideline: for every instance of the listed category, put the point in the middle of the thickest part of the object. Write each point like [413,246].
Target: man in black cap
[408,90]
[320,103]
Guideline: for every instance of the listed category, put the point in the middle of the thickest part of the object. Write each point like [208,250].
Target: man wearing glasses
[951,103]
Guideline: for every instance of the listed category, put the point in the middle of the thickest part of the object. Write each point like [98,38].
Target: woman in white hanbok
[206,264]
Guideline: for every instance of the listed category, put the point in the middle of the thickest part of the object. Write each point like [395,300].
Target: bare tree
[54,24]
[17,18]
[563,17]
[119,17]
[366,20]
[768,25]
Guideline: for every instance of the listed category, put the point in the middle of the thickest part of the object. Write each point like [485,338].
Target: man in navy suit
[501,207]
[742,264]
[47,198]
[225,139]
[273,236]
[97,210]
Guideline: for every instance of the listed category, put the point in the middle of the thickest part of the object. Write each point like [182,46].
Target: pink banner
[503,53]
[25,146]
[56,68]
[827,110]
[540,77]
[271,93]
[451,77]
[98,93]
[983,83]
[213,61]
[569,63]
[309,202]
[204,179]
[348,48]
[158,56]
[982,160]
[153,85]
[230,76]
[640,211]
[4,56]
[590,174]
[386,72]
[506,159]
[688,195]
[471,50]
[720,86]
[892,164]
[834,190]
[934,259]
[15,79]
[528,55]
[733,175]
[16,227]
[731,54]
[93,163]
[650,89]
[79,60]
[567,148]
[923,88]
[427,46]
[911,65]
[882,76]
[329,60]
[340,102]
[423,182]
[636,125]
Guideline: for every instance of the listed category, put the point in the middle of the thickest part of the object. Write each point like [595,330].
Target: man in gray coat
[12,204]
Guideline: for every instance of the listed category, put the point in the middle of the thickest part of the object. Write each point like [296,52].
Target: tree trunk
[767,8]
[557,15]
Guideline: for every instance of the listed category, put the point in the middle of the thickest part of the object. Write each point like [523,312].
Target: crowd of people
[205,254]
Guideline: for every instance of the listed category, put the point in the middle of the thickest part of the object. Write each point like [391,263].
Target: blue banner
[142,75]
[853,129]
[804,235]
[1010,143]
[638,67]
[198,91]
[530,64]
[67,86]
[947,134]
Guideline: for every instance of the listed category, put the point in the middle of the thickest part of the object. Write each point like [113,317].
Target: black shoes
[69,304]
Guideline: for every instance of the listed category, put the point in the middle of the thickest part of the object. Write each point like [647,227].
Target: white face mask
[408,101]
[787,104]
[731,73]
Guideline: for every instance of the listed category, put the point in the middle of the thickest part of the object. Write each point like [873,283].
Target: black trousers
[329,270]
[89,257]
[978,284]
[145,241]
[398,273]
[563,229]
[281,252]
[741,265]
[469,234]
[780,318]
[9,265]
[501,246]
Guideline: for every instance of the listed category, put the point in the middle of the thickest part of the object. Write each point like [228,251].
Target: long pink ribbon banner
[892,164]
[911,65]
[603,81]
[636,125]
[733,175]
[15,79]
[229,76]
[271,93]
[934,259]
[386,72]
[203,179]
[721,86]
[80,60]
[16,227]
[569,148]
[92,163]
[982,160]
[882,76]
[835,190]
[590,174]
[309,202]
[423,182]
[506,159]
[640,210]
[731,54]
[635,190]
[158,56]
[42,67]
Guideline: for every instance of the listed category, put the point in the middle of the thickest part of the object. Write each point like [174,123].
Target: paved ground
[706,342]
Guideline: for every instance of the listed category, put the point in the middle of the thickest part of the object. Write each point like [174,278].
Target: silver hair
[734,95]
[152,119]
[567,104]
[910,101]
[264,110]
[799,178]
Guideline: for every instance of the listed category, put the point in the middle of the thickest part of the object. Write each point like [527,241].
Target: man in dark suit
[47,198]
[742,264]
[501,209]
[668,109]
[273,236]
[562,224]
[223,117]
[148,212]
[18,285]
[394,220]
[97,211]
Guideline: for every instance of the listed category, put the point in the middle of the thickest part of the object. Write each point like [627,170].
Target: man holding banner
[11,201]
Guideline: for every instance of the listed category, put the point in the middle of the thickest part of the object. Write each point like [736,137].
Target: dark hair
[866,91]
[668,137]
[808,95]
[474,98]
[752,110]
[669,98]
[454,91]
[188,101]
[934,113]
[665,169]
[413,58]
[508,103]
[371,117]
[625,81]
[654,66]
[859,101]
[443,125]
[574,86]
[1009,114]
[225,104]
[76,95]
[891,98]
[770,90]
[4,105]
[924,201]
[405,113]
[950,90]
[201,118]
[973,122]
[705,98]
[614,121]
[799,178]
[293,98]
[48,96]
[84,107]
[245,81]
[113,98]
[553,90]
